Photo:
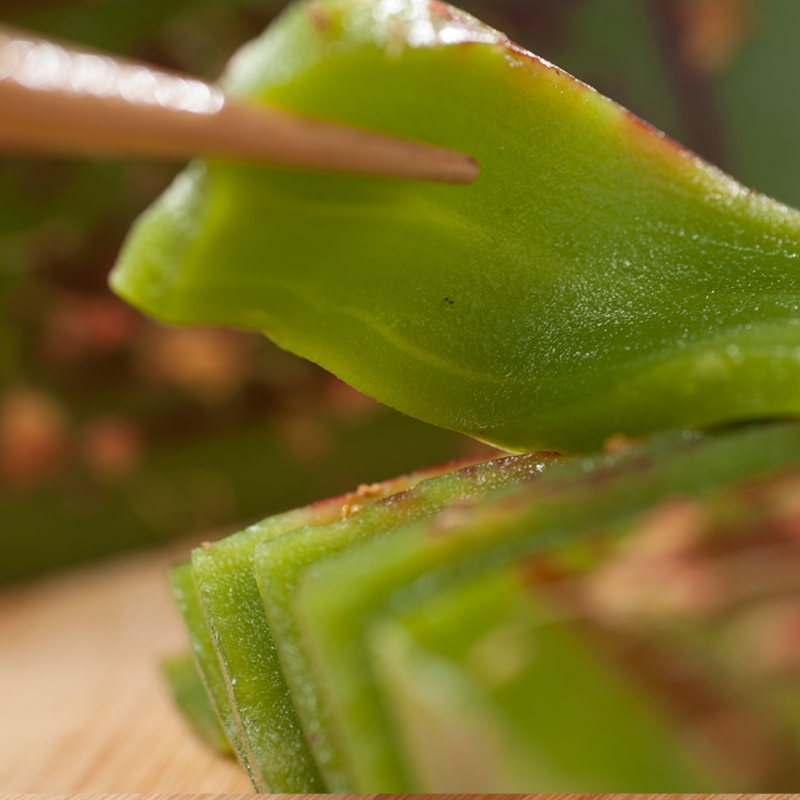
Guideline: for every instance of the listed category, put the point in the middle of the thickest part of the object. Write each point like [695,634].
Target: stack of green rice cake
[627,622]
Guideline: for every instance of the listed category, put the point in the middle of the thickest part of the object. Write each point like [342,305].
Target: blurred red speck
[304,438]
[670,529]
[79,326]
[111,447]
[765,639]
[211,364]
[618,444]
[729,742]
[655,573]
[345,402]
[714,31]
[33,438]
[785,501]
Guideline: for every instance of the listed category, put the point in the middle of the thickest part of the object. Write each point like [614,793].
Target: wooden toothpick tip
[57,99]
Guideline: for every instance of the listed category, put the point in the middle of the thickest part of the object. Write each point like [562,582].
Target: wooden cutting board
[83,707]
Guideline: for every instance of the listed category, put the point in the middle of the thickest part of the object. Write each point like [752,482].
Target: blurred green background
[116,432]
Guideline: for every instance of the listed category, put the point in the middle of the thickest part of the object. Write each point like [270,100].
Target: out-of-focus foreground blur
[116,432]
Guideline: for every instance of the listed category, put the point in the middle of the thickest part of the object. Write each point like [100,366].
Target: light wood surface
[417,796]
[83,707]
[54,98]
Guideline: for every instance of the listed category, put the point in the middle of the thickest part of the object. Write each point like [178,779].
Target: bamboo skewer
[54,99]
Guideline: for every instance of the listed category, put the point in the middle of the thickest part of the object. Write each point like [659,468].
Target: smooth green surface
[596,279]
[191,607]
[273,747]
[281,563]
[191,697]
[491,692]
[341,599]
